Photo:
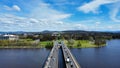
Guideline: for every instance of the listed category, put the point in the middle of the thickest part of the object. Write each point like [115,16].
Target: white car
[67,60]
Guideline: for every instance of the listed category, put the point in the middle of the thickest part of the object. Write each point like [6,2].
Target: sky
[59,15]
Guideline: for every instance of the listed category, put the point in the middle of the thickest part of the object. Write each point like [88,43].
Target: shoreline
[20,47]
[29,47]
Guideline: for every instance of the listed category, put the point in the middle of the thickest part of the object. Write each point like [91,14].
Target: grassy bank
[25,43]
[82,44]
[20,47]
[46,44]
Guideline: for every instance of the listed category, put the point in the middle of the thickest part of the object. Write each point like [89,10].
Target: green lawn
[49,44]
[42,44]
[84,44]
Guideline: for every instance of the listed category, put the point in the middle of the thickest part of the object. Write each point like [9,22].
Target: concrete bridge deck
[69,58]
[52,60]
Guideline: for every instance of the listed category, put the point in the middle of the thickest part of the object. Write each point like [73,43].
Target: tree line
[74,35]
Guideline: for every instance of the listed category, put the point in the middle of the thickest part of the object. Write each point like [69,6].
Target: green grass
[42,44]
[20,47]
[25,43]
[49,44]
[84,44]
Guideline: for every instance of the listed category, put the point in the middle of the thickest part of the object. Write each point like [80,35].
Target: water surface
[61,63]
[105,57]
[23,58]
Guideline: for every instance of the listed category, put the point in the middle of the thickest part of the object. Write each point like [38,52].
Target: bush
[78,44]
[49,45]
[15,43]
[99,42]
[71,42]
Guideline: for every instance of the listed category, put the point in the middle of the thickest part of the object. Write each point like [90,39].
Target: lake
[104,57]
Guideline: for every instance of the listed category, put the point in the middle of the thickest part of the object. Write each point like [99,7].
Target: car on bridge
[67,59]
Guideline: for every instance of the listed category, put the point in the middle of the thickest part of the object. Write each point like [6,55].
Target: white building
[56,34]
[9,37]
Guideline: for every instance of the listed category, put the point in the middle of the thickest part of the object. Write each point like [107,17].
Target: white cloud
[115,9]
[13,8]
[113,27]
[6,7]
[15,23]
[81,26]
[28,24]
[17,8]
[97,23]
[44,17]
[41,17]
[110,27]
[94,5]
[12,22]
[59,22]
[32,20]
[44,11]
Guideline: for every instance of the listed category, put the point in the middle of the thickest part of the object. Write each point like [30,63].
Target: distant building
[56,34]
[36,41]
[9,37]
[25,35]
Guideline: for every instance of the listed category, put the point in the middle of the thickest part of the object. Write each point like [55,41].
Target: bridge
[69,59]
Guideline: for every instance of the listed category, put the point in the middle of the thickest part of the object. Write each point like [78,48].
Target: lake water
[23,58]
[105,57]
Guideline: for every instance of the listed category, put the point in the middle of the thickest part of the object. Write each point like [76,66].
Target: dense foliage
[77,35]
[98,38]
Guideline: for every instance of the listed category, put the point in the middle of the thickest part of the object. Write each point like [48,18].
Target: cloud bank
[45,11]
[94,6]
[41,16]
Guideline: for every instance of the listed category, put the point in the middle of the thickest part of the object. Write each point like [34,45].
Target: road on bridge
[69,58]
[52,60]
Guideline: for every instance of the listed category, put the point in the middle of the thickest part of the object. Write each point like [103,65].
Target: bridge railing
[73,62]
[52,60]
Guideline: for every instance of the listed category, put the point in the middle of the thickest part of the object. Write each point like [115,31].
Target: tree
[99,42]
[41,36]
[70,42]
[78,44]
[91,39]
[49,45]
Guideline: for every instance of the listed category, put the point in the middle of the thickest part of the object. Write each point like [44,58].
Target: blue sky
[39,15]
